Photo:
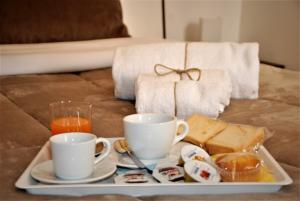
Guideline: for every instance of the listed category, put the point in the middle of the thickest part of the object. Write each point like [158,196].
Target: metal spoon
[122,147]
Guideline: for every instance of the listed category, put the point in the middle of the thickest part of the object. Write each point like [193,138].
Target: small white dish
[44,172]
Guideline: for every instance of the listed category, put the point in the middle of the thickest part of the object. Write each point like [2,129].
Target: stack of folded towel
[182,98]
[225,70]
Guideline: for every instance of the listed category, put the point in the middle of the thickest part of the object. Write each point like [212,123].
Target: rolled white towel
[130,62]
[165,94]
[240,60]
[155,94]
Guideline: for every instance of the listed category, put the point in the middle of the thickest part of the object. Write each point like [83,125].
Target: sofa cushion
[279,85]
[18,129]
[35,21]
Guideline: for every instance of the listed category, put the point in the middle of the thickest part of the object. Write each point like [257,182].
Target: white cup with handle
[73,154]
[151,136]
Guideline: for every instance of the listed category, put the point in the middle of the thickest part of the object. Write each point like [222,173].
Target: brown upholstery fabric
[28,132]
[273,85]
[39,21]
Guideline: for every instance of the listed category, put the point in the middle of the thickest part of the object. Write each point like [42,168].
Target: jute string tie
[162,70]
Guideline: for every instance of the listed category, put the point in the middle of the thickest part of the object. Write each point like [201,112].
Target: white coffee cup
[73,154]
[151,136]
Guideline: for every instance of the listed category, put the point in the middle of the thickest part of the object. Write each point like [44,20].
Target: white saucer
[125,161]
[43,172]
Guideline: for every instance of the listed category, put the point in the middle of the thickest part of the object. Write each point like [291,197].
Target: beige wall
[275,25]
[143,17]
[203,20]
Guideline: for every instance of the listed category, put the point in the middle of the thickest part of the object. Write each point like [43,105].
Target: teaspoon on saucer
[122,147]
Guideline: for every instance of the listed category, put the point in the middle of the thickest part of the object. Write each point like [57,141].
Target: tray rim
[21,184]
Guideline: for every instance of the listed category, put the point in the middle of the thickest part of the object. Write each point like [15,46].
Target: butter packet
[167,173]
[133,177]
[199,171]
[192,152]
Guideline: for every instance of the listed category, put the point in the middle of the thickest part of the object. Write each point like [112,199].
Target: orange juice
[71,124]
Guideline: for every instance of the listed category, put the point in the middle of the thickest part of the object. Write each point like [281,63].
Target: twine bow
[168,70]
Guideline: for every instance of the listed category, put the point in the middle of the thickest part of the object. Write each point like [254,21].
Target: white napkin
[208,96]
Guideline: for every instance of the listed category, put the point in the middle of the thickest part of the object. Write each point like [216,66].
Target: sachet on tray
[182,98]
[240,60]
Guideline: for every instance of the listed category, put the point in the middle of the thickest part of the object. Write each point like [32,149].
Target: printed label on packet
[134,176]
[192,152]
[201,171]
[168,173]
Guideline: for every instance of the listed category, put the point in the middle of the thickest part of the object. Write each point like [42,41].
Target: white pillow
[62,56]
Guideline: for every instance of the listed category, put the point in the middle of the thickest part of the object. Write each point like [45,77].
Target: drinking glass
[70,116]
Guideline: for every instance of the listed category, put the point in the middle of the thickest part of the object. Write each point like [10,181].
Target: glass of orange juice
[70,116]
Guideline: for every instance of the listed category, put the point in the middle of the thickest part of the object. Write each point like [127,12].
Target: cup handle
[106,152]
[184,133]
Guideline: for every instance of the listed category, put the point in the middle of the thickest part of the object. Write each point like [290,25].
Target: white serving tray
[109,187]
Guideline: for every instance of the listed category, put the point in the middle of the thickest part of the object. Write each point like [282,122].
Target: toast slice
[202,128]
[235,138]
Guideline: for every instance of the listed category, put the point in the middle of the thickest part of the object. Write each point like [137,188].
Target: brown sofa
[24,120]
[24,123]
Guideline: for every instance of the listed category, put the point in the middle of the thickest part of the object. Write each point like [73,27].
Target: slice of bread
[235,138]
[202,128]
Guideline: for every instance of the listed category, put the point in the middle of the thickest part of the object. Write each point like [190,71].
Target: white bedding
[62,56]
